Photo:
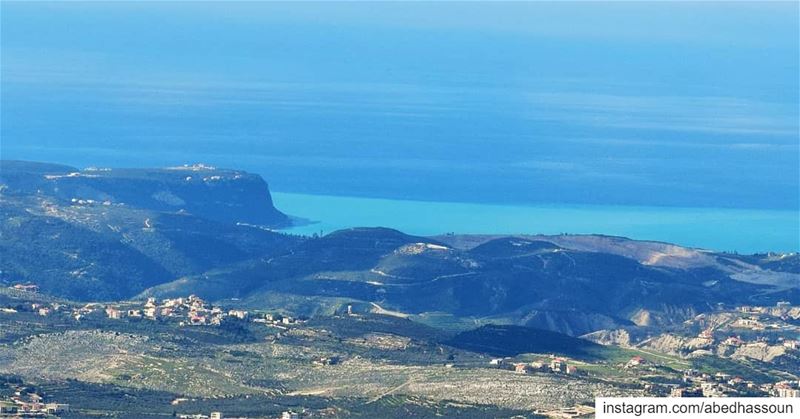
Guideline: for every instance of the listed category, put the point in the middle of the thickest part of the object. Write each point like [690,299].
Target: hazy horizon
[676,105]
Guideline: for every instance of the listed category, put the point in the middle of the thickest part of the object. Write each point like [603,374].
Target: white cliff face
[760,351]
[216,194]
[666,343]
[618,337]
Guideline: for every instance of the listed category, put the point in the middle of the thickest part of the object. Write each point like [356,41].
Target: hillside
[100,234]
[507,280]
[123,233]
[207,192]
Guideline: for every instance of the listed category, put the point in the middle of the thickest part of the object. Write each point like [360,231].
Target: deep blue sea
[744,231]
[623,121]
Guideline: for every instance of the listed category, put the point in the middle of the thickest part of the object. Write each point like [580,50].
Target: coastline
[721,229]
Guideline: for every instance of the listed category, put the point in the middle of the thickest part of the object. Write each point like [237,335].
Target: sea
[732,230]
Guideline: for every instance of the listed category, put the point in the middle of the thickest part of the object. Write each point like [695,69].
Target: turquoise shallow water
[745,231]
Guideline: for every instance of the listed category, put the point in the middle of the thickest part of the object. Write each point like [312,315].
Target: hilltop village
[185,311]
[754,333]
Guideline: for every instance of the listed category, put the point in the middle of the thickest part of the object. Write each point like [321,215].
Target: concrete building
[113,313]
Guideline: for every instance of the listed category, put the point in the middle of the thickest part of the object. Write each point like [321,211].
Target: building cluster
[23,404]
[293,414]
[555,365]
[89,202]
[737,341]
[197,167]
[48,309]
[26,287]
[277,320]
[213,415]
[192,311]
[636,361]
[697,384]
[187,311]
[694,383]
[754,328]
[700,384]
[782,309]
[761,323]
[783,389]
[766,317]
[288,414]
[41,309]
[731,344]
